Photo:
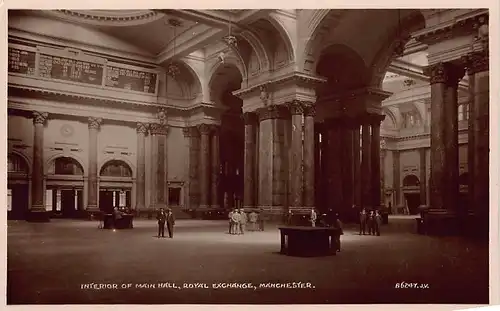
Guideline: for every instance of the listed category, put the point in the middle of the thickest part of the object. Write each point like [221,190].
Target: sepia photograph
[248,156]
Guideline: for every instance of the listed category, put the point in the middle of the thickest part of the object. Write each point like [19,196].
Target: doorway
[111,198]
[17,201]
[413,202]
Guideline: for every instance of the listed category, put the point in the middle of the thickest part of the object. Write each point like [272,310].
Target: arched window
[16,164]
[116,168]
[65,166]
[411,181]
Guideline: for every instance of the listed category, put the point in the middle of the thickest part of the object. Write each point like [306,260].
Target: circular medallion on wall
[67,130]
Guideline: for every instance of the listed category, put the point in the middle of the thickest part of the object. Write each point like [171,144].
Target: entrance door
[19,201]
[106,201]
[413,201]
[68,205]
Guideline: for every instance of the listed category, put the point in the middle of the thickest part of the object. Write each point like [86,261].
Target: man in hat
[162,218]
[170,223]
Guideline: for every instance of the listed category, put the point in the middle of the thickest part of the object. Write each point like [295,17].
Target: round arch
[390,114]
[65,166]
[411,181]
[18,163]
[225,78]
[74,157]
[116,167]
[285,36]
[228,60]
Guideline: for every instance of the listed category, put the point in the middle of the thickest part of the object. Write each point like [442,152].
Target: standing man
[314,216]
[337,224]
[230,217]
[362,222]
[170,223]
[243,221]
[377,222]
[253,220]
[370,222]
[236,218]
[161,217]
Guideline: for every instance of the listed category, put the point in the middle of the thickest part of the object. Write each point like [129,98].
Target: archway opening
[17,187]
[115,186]
[411,192]
[64,192]
[227,78]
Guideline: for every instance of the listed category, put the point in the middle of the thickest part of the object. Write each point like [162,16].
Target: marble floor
[62,262]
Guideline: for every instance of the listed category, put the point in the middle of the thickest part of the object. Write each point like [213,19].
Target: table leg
[283,247]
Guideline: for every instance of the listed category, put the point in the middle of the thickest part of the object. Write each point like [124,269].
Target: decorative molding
[455,27]
[476,62]
[142,128]
[40,117]
[273,112]
[309,109]
[158,129]
[109,18]
[191,131]
[296,107]
[250,118]
[449,73]
[204,129]
[94,123]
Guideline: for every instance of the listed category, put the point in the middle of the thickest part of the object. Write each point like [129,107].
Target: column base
[38,214]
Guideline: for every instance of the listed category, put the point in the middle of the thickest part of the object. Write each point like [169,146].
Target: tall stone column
[396,177]
[334,185]
[356,141]
[204,165]
[346,148]
[478,69]
[37,211]
[423,177]
[272,183]
[142,130]
[366,164]
[375,155]
[444,135]
[94,126]
[193,135]
[309,158]
[250,119]
[297,181]
[215,167]
[159,133]
[454,74]
[324,166]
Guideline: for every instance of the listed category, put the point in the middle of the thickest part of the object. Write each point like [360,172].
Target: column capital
[250,118]
[142,128]
[40,117]
[445,72]
[94,123]
[215,129]
[296,107]
[309,109]
[158,129]
[476,62]
[273,112]
[376,119]
[190,131]
[204,128]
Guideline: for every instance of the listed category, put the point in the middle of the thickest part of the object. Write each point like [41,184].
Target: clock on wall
[67,130]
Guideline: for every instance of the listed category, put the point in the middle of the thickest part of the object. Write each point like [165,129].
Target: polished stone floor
[49,263]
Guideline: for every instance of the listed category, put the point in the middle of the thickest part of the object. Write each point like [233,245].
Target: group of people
[165,217]
[238,220]
[369,221]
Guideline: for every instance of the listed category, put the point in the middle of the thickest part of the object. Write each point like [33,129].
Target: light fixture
[172,69]
[230,39]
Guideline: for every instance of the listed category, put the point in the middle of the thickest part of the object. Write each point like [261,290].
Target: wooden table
[309,241]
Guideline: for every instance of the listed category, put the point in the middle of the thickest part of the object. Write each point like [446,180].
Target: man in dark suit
[170,223]
[161,217]
[363,218]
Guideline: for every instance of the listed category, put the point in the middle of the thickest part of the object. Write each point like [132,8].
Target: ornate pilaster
[297,181]
[93,188]
[204,165]
[249,172]
[309,160]
[356,141]
[37,211]
[215,166]
[142,130]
